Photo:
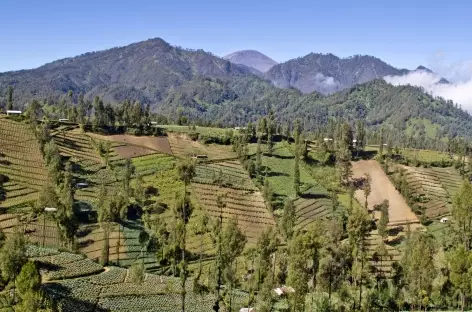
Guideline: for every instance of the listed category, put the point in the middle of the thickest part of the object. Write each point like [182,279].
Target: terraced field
[21,161]
[247,207]
[79,284]
[230,173]
[134,146]
[381,259]
[314,205]
[435,186]
[88,166]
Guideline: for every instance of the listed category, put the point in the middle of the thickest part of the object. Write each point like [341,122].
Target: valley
[243,189]
[151,177]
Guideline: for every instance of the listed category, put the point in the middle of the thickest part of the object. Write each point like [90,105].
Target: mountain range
[239,87]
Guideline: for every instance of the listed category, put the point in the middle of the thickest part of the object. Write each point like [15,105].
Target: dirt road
[382,189]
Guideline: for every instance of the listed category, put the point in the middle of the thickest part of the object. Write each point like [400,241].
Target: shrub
[193,136]
[136,273]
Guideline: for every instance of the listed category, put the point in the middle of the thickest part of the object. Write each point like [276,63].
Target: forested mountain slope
[143,71]
[377,102]
[211,90]
[327,73]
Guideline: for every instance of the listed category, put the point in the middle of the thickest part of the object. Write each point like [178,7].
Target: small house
[444,220]
[63,119]
[14,112]
[327,139]
[247,310]
[50,209]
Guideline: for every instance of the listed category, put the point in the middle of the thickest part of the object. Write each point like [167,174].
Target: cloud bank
[459,92]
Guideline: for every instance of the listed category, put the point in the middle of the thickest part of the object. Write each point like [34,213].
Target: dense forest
[219,102]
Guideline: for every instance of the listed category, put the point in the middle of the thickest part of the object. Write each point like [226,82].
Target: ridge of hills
[211,90]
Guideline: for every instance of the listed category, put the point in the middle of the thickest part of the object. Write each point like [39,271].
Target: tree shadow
[5,162]
[62,299]
[277,174]
[278,201]
[395,231]
[66,142]
[280,156]
[395,241]
[313,196]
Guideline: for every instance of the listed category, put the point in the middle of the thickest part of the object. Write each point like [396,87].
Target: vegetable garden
[79,284]
[433,188]
[247,207]
[21,161]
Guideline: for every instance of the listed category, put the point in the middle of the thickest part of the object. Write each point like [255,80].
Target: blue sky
[403,33]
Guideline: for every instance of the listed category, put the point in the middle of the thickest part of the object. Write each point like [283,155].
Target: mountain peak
[423,68]
[251,58]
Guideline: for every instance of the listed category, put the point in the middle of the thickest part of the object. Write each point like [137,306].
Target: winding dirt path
[399,212]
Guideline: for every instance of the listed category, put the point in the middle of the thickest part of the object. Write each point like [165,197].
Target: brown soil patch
[128,151]
[159,144]
[183,146]
[399,212]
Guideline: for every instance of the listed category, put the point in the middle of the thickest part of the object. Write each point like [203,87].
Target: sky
[404,33]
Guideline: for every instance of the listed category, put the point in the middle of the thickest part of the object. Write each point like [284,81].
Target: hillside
[393,107]
[327,73]
[143,71]
[209,90]
[251,58]
[21,164]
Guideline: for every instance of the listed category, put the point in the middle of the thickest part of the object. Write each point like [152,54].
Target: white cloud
[459,92]
[325,84]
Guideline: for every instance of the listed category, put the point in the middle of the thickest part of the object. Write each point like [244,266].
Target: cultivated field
[228,173]
[182,146]
[314,205]
[21,161]
[155,144]
[280,169]
[382,188]
[246,207]
[381,255]
[88,166]
[434,187]
[79,284]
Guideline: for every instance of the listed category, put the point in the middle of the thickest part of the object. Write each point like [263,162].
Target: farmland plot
[228,173]
[183,146]
[131,145]
[312,206]
[246,207]
[435,186]
[382,188]
[380,258]
[21,161]
[110,288]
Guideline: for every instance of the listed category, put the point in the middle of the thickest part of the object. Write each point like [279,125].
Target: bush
[136,273]
[193,136]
